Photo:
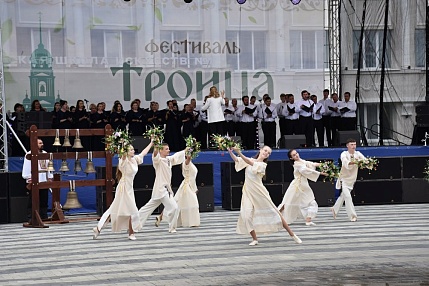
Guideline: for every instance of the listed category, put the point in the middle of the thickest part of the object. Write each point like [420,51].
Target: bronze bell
[57,138]
[51,163]
[77,166]
[67,139]
[72,201]
[64,166]
[77,143]
[89,165]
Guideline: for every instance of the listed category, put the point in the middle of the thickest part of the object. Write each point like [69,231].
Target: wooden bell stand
[57,184]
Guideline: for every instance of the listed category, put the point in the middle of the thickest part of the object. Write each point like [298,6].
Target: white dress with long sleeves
[124,204]
[299,201]
[186,197]
[257,211]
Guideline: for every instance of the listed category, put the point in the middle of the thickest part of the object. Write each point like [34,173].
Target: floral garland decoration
[194,146]
[331,169]
[157,134]
[224,142]
[118,142]
[367,163]
[426,171]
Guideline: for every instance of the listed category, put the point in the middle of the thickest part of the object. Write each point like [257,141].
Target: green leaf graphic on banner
[60,25]
[225,15]
[135,28]
[71,42]
[8,78]
[251,19]
[158,14]
[97,20]
[6,30]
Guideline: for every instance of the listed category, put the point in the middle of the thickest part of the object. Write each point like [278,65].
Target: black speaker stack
[396,180]
[13,198]
[4,200]
[422,115]
[342,137]
[292,141]
[143,184]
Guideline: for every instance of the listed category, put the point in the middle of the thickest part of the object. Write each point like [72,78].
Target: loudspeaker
[422,109]
[412,167]
[4,210]
[274,172]
[100,172]
[18,209]
[4,182]
[324,193]
[206,198]
[140,142]
[100,200]
[276,193]
[377,192]
[415,191]
[422,120]
[287,171]
[387,169]
[231,197]
[342,137]
[292,141]
[16,185]
[229,176]
[145,177]
[205,174]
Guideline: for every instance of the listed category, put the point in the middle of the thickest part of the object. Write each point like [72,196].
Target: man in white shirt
[229,113]
[247,113]
[279,109]
[305,120]
[162,192]
[347,179]
[268,115]
[334,108]
[326,116]
[348,113]
[291,115]
[44,176]
[318,110]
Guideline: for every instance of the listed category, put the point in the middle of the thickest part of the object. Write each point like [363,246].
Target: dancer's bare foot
[333,213]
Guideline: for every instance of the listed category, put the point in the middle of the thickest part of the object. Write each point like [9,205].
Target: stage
[87,195]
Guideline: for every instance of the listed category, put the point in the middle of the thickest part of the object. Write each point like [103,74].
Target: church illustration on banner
[42,79]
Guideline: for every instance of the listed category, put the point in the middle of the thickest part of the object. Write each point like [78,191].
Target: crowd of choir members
[303,114]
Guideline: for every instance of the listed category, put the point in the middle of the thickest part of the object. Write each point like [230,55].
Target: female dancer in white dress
[123,211]
[258,214]
[299,201]
[186,197]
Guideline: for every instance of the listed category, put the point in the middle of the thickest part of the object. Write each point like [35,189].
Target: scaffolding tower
[334,40]
[3,122]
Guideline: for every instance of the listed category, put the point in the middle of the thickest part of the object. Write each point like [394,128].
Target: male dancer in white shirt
[347,179]
[161,192]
